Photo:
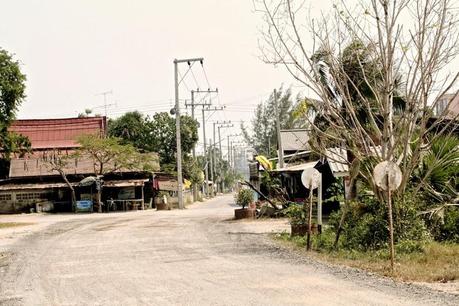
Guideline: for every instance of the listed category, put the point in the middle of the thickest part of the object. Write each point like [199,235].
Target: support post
[391,225]
[206,170]
[179,141]
[195,188]
[319,206]
[222,186]
[308,245]
[214,164]
[177,129]
[280,149]
[212,176]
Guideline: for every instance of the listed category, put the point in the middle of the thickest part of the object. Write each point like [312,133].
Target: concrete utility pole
[214,174]
[211,158]
[177,131]
[280,149]
[193,105]
[208,109]
[229,147]
[224,124]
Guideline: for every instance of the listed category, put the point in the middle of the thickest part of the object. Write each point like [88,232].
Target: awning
[34,186]
[124,183]
[298,167]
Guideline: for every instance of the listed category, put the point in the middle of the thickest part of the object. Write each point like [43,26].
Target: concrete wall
[22,201]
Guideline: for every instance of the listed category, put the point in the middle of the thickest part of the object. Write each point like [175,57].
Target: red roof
[58,133]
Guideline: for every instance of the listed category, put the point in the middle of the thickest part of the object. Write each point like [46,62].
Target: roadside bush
[445,226]
[409,247]
[244,197]
[296,214]
[366,225]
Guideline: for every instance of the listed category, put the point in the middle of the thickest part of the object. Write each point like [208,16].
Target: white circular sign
[310,178]
[387,172]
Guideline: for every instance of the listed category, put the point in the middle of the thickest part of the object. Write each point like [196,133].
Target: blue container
[84,206]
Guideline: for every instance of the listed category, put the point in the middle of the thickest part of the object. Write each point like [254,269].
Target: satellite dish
[172,111]
[387,172]
[311,178]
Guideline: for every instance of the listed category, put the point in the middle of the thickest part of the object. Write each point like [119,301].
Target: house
[58,134]
[442,105]
[33,185]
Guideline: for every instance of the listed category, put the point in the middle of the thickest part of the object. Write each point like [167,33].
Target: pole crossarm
[205,91]
[197,104]
[189,60]
[215,108]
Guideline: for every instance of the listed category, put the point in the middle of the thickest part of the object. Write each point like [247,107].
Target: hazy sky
[73,50]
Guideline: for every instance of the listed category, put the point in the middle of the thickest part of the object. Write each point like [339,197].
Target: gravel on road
[196,256]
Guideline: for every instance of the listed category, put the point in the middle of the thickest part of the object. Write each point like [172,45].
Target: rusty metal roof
[58,133]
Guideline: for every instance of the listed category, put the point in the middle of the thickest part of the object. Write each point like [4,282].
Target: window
[5,197]
[30,196]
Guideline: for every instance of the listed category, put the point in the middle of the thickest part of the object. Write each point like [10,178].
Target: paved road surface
[191,257]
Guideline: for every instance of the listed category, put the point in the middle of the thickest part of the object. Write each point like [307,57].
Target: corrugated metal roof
[298,167]
[25,167]
[58,133]
[337,160]
[37,166]
[295,140]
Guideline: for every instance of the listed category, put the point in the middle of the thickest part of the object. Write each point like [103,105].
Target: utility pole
[193,105]
[177,131]
[224,124]
[205,145]
[280,149]
[105,93]
[212,176]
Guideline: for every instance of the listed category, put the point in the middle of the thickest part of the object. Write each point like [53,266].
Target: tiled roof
[58,133]
[295,140]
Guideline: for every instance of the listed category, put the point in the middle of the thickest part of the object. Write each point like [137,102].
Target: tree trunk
[340,226]
[99,200]
[72,190]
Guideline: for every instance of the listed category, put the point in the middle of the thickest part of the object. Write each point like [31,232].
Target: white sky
[73,50]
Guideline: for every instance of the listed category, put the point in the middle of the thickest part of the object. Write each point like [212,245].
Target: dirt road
[191,257]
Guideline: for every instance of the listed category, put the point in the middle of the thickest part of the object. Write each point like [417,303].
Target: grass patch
[429,262]
[13,224]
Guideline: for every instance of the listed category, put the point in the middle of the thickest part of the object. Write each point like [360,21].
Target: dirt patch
[14,224]
[196,259]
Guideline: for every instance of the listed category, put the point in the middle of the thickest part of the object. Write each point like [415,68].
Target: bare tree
[409,43]
[59,162]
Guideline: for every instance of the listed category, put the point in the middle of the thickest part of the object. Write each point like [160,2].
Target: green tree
[109,155]
[157,134]
[131,128]
[12,94]
[262,134]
